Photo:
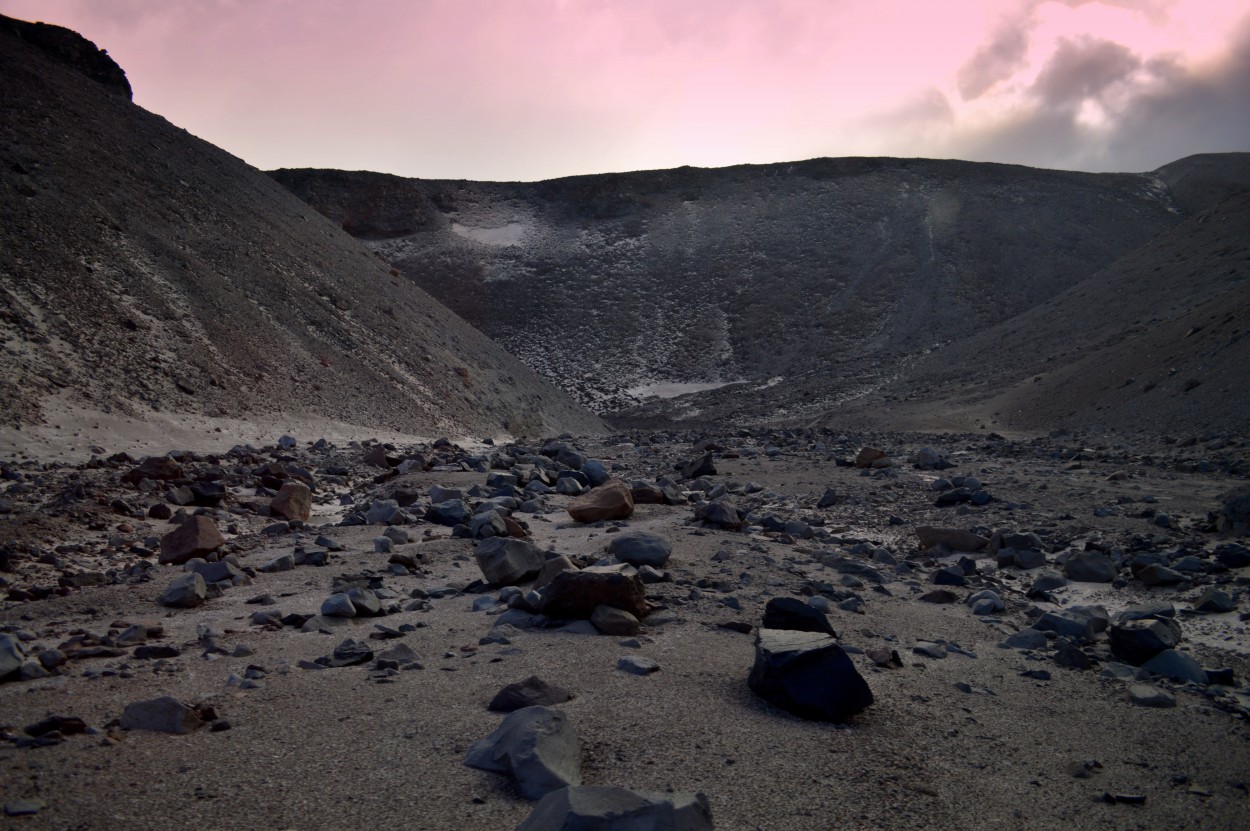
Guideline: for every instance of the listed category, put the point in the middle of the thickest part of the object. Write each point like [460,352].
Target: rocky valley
[855,493]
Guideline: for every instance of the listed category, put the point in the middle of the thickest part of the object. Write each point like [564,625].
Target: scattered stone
[12,655]
[1025,639]
[293,502]
[807,674]
[30,807]
[612,621]
[940,596]
[506,562]
[953,538]
[576,594]
[929,649]
[605,808]
[537,746]
[869,456]
[338,605]
[197,537]
[1137,641]
[720,513]
[1159,575]
[1090,567]
[1144,695]
[1176,665]
[161,715]
[1214,601]
[793,615]
[641,548]
[637,665]
[532,692]
[186,591]
[613,500]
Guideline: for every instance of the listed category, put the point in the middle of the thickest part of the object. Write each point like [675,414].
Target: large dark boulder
[576,594]
[609,808]
[807,674]
[1137,641]
[794,615]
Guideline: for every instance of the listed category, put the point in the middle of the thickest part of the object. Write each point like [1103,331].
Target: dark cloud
[1165,112]
[1083,68]
[995,61]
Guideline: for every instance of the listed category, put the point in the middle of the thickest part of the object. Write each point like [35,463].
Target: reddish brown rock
[196,537]
[576,594]
[154,467]
[953,538]
[294,501]
[611,501]
[868,455]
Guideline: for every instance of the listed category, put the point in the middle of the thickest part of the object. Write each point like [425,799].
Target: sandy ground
[328,748]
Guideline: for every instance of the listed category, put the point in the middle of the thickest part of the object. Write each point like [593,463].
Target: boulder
[551,567]
[641,548]
[576,594]
[613,621]
[154,467]
[1234,512]
[162,715]
[1176,665]
[608,808]
[1214,601]
[953,538]
[537,746]
[1089,567]
[807,674]
[613,500]
[793,615]
[506,561]
[1156,574]
[294,501]
[186,591]
[451,512]
[532,692]
[12,655]
[869,456]
[701,466]
[720,513]
[196,537]
[1137,641]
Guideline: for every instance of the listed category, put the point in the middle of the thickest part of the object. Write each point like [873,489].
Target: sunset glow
[531,89]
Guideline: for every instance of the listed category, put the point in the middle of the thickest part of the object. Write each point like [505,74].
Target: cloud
[995,61]
[1083,68]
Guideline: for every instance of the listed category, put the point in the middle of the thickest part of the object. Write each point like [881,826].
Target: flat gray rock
[537,746]
[162,715]
[606,808]
[637,665]
[1144,695]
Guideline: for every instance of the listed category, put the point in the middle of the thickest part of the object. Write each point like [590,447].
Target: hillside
[815,278]
[142,269]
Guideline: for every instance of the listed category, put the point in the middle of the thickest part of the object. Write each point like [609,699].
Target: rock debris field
[752,630]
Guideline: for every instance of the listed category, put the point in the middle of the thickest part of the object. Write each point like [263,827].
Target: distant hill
[142,268]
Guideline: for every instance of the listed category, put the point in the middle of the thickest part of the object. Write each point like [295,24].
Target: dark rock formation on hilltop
[142,268]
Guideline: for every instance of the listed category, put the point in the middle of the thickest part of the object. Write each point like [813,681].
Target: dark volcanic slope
[1158,341]
[820,278]
[142,267]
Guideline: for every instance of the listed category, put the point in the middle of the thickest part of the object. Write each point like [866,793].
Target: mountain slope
[1158,341]
[808,280]
[142,268]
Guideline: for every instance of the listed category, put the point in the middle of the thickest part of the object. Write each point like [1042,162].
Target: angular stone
[613,500]
[720,513]
[1144,695]
[1159,575]
[1089,567]
[162,715]
[294,501]
[807,674]
[450,512]
[284,562]
[1068,624]
[868,456]
[607,808]
[186,591]
[537,746]
[1025,639]
[793,615]
[637,665]
[154,467]
[640,548]
[576,594]
[953,538]
[612,621]
[505,561]
[12,655]
[1137,641]
[196,537]
[338,605]
[1234,512]
[701,466]
[532,692]
[1176,665]
[551,567]
[1214,601]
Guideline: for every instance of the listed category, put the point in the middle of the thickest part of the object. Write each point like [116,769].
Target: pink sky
[533,89]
